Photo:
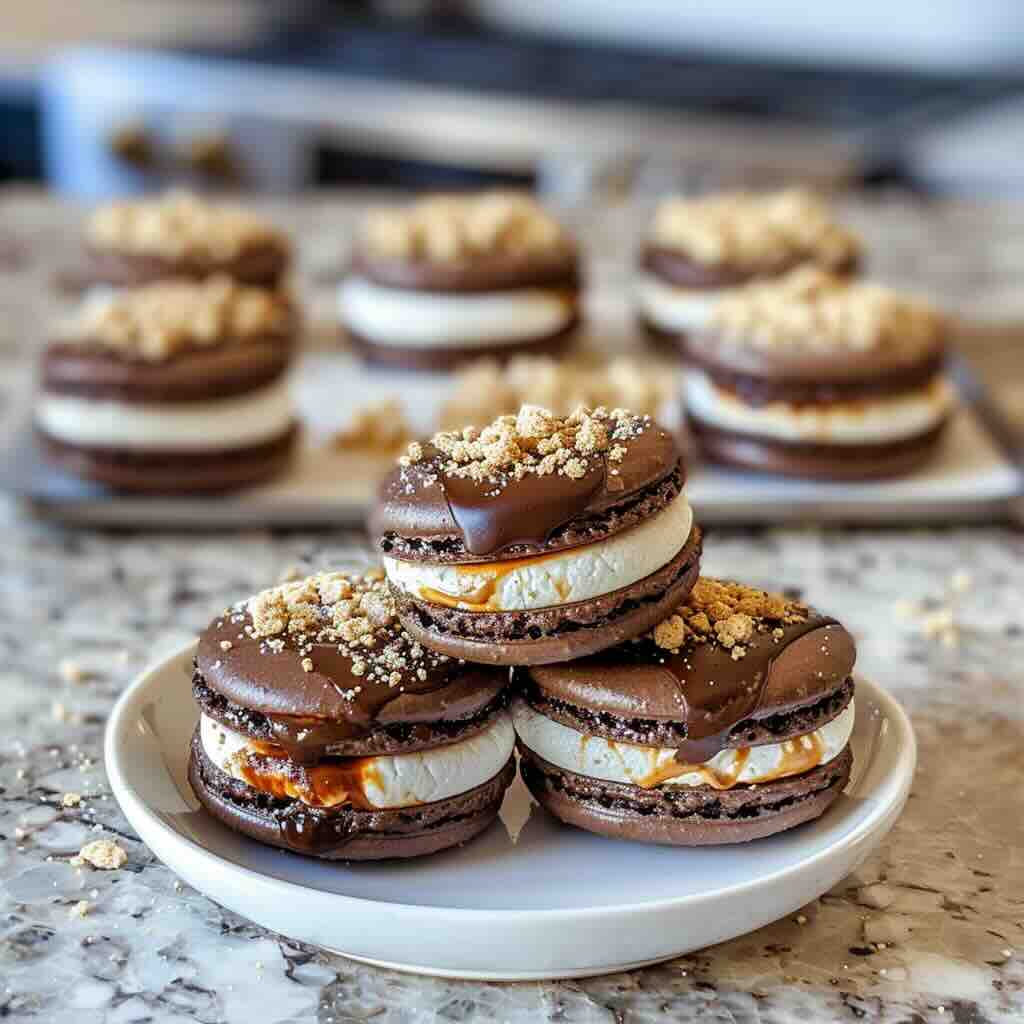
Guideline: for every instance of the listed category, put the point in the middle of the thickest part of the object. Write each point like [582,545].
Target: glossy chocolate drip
[703,687]
[525,514]
[487,518]
[310,712]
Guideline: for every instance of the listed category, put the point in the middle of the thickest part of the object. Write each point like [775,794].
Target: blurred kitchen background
[581,98]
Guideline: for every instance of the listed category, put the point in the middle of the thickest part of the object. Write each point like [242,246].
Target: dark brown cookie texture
[179,236]
[401,357]
[345,833]
[520,490]
[733,668]
[825,462]
[174,472]
[318,678]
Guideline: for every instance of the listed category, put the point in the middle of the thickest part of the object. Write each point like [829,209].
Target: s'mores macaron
[729,721]
[172,387]
[700,251]
[538,538]
[327,730]
[456,277]
[178,235]
[819,376]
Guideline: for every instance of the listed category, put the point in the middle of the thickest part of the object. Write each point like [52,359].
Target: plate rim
[127,796]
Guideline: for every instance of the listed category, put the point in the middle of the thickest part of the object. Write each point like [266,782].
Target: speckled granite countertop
[931,928]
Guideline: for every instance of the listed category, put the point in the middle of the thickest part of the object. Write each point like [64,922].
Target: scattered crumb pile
[181,226]
[486,389]
[760,232]
[380,427]
[453,228]
[353,613]
[158,321]
[533,442]
[719,611]
[810,309]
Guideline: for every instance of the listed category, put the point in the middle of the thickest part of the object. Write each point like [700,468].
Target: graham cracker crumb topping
[812,310]
[180,226]
[156,322]
[728,614]
[454,228]
[486,388]
[379,427]
[533,442]
[755,231]
[354,613]
[104,854]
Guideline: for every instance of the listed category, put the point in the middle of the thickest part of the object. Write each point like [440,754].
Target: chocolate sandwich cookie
[174,387]
[819,376]
[327,730]
[701,251]
[453,278]
[538,538]
[729,721]
[179,236]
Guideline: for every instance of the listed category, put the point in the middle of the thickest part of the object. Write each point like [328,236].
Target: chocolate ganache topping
[509,487]
[729,654]
[326,662]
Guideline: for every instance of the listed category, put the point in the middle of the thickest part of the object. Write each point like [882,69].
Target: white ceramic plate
[530,898]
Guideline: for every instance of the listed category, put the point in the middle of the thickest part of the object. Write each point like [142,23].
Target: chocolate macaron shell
[684,816]
[561,633]
[345,833]
[262,266]
[675,267]
[419,503]
[495,272]
[838,462]
[638,680]
[198,374]
[274,683]
[910,359]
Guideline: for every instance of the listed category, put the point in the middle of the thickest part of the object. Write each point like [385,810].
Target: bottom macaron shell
[562,633]
[173,472]
[684,816]
[345,833]
[851,462]
[438,358]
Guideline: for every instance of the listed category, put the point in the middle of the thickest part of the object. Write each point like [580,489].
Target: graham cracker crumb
[354,614]
[760,232]
[486,389]
[156,322]
[813,310]
[181,226]
[71,672]
[379,427]
[534,441]
[457,228]
[71,799]
[80,909]
[729,614]
[103,854]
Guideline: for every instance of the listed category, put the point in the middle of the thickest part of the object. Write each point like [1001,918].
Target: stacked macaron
[328,730]
[819,376]
[450,278]
[538,538]
[729,721]
[701,251]
[180,236]
[171,387]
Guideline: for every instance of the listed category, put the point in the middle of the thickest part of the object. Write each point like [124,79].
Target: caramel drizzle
[266,767]
[482,598]
[799,755]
